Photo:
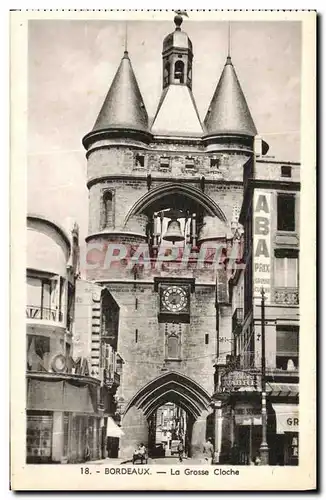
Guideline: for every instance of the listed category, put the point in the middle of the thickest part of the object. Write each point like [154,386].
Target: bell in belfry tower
[173,232]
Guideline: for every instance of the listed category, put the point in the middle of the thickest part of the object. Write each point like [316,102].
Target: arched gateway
[171,387]
[166,195]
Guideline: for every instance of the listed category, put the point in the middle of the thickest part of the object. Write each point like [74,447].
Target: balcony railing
[286,296]
[43,313]
[237,319]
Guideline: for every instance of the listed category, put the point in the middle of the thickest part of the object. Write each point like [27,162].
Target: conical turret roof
[228,112]
[123,106]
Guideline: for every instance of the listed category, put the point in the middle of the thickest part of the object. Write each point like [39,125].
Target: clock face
[174,298]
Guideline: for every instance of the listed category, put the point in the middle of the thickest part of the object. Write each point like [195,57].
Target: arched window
[179,71]
[107,218]
[173,347]
[166,74]
[172,341]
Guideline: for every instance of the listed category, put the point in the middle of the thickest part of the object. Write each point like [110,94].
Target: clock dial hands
[174,299]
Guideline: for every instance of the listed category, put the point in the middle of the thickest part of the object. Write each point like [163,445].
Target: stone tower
[162,203]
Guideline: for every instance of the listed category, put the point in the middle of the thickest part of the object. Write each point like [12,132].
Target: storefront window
[65,434]
[291,448]
[39,437]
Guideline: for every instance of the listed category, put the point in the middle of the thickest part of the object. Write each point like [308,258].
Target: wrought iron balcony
[43,313]
[286,296]
[111,379]
[237,319]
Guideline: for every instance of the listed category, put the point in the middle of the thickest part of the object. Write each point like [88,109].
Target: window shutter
[287,342]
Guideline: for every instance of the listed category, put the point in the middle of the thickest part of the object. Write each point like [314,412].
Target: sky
[71,65]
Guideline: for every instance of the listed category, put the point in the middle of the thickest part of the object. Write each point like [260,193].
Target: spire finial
[126,38]
[178,19]
[229,39]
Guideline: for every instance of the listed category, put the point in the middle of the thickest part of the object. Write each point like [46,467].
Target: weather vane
[181,13]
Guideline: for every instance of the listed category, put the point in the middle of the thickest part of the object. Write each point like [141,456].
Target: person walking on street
[180,450]
[208,451]
[257,460]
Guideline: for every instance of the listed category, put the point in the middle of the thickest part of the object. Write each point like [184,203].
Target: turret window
[189,76]
[107,210]
[215,163]
[190,162]
[166,74]
[179,71]
[165,162]
[139,161]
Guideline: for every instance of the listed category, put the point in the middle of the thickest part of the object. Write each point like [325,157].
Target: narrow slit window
[206,338]
[107,209]
[136,336]
[166,74]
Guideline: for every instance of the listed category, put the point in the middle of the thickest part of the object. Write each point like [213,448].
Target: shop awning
[287,418]
[112,429]
[289,390]
[53,395]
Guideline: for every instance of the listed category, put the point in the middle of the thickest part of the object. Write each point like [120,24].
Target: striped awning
[112,429]
[289,390]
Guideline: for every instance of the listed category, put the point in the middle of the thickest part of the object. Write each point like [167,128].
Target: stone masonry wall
[122,162]
[144,359]
[127,192]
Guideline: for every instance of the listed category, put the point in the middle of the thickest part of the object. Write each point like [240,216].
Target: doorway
[167,426]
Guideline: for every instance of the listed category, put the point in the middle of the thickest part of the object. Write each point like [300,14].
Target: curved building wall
[47,249]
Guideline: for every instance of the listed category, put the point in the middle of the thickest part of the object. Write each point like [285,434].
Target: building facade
[95,338]
[164,239]
[270,216]
[62,400]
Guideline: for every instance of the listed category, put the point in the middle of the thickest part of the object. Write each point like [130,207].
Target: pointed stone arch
[175,387]
[177,189]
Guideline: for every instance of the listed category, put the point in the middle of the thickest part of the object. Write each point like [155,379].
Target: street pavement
[172,460]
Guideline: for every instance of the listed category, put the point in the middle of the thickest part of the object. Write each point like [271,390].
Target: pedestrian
[87,453]
[257,459]
[142,452]
[180,450]
[208,450]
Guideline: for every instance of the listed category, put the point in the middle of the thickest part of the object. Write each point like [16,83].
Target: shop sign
[238,379]
[66,364]
[293,422]
[287,418]
[262,244]
[247,415]
[248,411]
